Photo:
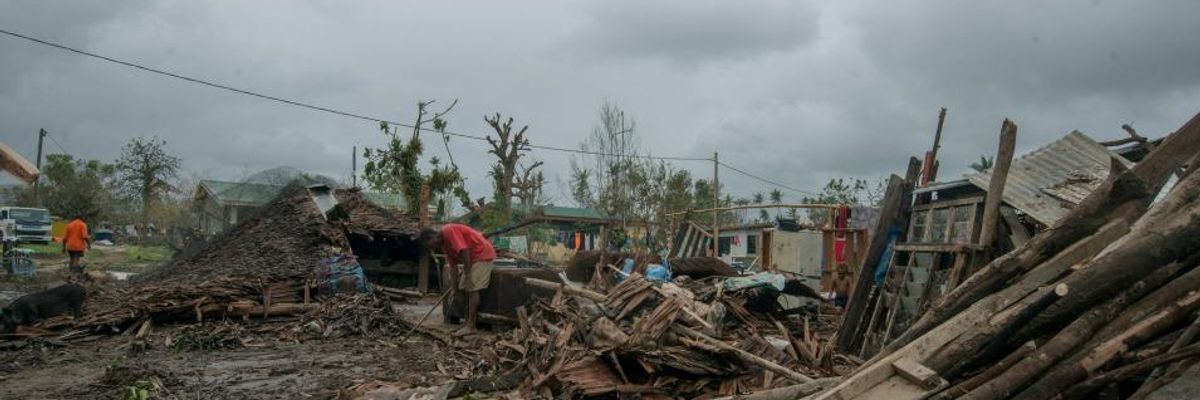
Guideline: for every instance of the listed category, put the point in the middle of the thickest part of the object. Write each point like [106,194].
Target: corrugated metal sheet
[1049,181]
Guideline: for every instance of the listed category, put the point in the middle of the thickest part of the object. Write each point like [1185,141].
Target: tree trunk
[1015,378]
[988,374]
[985,344]
[1101,381]
[1100,350]
[1184,339]
[1158,239]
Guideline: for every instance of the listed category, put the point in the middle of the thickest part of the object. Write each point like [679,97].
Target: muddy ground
[171,366]
[317,370]
[218,360]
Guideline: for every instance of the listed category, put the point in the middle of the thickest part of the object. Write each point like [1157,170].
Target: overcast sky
[797,91]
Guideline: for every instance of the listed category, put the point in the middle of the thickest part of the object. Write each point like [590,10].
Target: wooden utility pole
[937,144]
[991,206]
[716,204]
[37,195]
[354,166]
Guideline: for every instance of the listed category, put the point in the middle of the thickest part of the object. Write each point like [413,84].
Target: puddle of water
[121,276]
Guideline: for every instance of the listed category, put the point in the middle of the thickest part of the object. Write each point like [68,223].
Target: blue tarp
[881,268]
[341,274]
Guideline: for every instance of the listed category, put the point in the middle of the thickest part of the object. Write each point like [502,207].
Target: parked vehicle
[28,225]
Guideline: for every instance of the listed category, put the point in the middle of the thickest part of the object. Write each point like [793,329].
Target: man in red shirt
[467,247]
[76,241]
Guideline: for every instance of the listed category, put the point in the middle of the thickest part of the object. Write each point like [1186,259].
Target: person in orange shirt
[76,240]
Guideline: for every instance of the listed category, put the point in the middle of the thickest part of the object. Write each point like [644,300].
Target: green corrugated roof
[257,194]
[571,212]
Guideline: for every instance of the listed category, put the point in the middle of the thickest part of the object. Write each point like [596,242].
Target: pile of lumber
[655,340]
[1104,301]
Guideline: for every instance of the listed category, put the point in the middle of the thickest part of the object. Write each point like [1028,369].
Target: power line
[362,116]
[304,104]
[759,178]
[55,141]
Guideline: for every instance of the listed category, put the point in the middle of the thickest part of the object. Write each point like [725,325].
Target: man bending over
[467,247]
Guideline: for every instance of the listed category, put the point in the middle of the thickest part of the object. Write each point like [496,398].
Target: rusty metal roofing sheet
[1048,182]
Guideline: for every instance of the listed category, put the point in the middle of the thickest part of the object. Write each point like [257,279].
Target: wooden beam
[857,301]
[19,167]
[936,247]
[744,355]
[999,175]
[568,289]
[919,374]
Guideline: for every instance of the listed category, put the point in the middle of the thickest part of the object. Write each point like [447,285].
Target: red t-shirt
[457,237]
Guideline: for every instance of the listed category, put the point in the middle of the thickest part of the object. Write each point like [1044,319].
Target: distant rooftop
[257,194]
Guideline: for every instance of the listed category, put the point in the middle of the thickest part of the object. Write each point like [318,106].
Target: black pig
[34,307]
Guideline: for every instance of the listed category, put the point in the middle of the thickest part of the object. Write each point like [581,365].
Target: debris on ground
[654,340]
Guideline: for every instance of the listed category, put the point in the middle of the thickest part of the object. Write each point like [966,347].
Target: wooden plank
[18,166]
[919,374]
[856,305]
[423,272]
[999,174]
[936,247]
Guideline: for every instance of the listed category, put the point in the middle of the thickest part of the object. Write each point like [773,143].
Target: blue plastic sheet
[341,274]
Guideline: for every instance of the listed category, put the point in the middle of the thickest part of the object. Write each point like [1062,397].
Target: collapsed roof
[287,238]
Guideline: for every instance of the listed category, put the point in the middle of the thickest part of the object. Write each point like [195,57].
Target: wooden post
[716,204]
[37,199]
[423,218]
[423,221]
[896,201]
[937,144]
[423,263]
[991,207]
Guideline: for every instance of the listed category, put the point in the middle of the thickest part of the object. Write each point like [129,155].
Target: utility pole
[716,204]
[354,166]
[931,169]
[37,196]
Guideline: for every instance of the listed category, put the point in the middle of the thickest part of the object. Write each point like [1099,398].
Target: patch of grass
[43,249]
[142,254]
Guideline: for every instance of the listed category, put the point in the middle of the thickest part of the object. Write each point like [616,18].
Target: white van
[28,225]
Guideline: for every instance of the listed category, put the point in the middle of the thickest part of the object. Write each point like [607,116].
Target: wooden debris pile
[655,340]
[1105,301]
[365,314]
[263,267]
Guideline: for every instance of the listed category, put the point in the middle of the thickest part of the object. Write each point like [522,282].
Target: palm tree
[777,198]
[985,163]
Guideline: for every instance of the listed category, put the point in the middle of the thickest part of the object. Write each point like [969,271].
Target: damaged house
[939,245]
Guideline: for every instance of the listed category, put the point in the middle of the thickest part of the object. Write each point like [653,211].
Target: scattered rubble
[657,341]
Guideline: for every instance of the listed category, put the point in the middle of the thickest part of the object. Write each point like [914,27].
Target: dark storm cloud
[686,32]
[799,92]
